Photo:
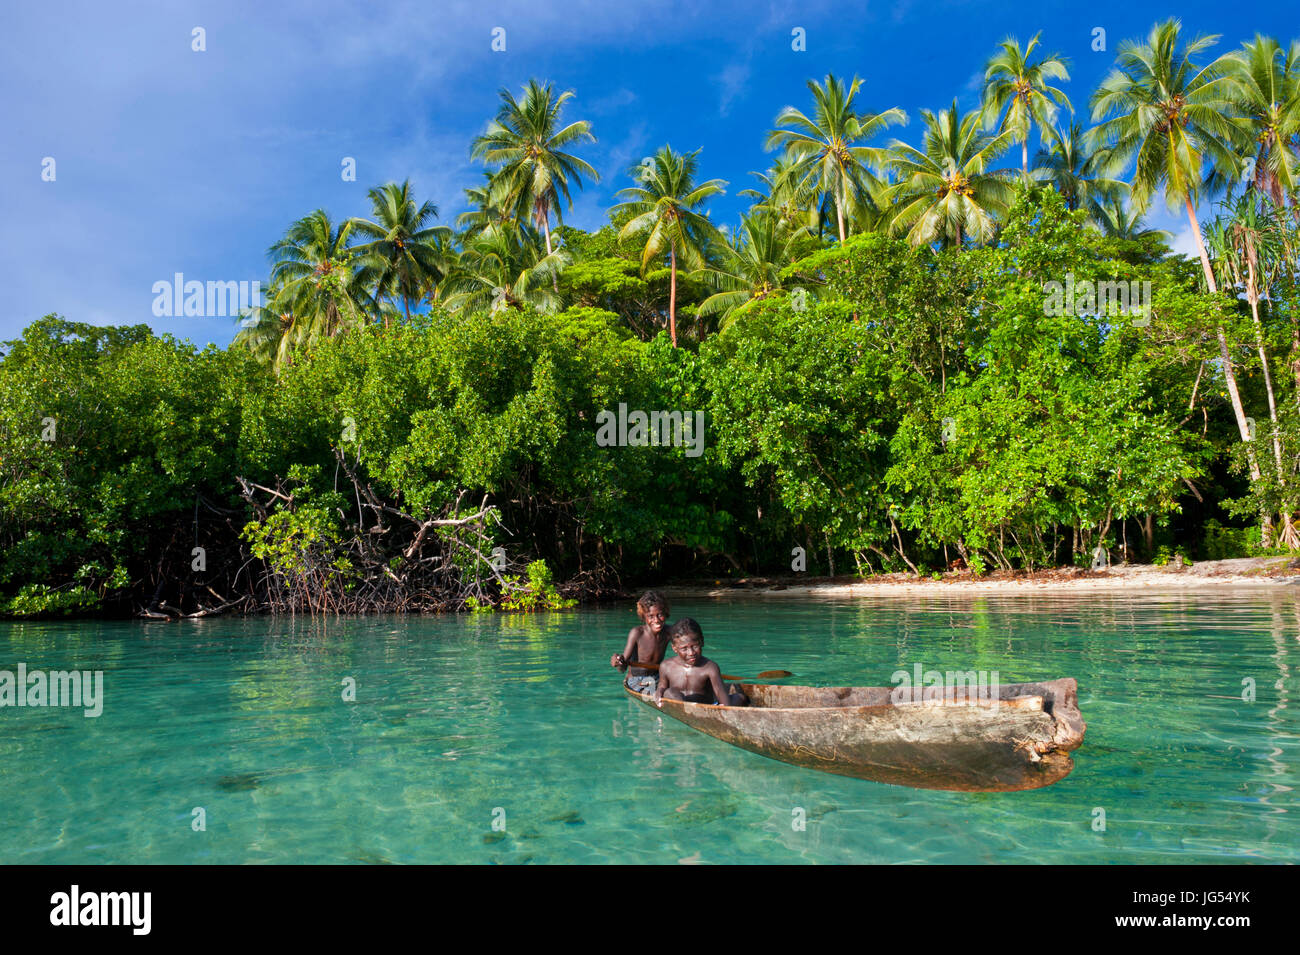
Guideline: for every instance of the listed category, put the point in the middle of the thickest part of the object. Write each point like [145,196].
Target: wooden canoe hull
[1019,740]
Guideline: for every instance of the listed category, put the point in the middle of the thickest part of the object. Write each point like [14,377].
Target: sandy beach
[1237,573]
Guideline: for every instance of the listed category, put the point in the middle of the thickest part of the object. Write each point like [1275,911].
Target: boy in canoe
[691,678]
[646,643]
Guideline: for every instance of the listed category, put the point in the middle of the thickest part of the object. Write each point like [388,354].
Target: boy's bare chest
[649,647]
[691,679]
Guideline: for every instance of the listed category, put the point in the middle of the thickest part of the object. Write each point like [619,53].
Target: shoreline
[1242,573]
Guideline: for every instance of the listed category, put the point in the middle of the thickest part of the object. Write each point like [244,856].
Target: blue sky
[169,160]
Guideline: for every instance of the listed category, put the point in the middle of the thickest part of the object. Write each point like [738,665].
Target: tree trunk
[1230,376]
[672,298]
[546,230]
[898,543]
[839,217]
[1295,355]
[1252,294]
[1287,534]
[1024,155]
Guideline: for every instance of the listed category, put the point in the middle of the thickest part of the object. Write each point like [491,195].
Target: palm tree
[1247,244]
[871,211]
[484,213]
[946,190]
[316,280]
[1117,221]
[435,293]
[663,208]
[272,333]
[505,268]
[778,196]
[263,333]
[1173,116]
[826,159]
[1068,166]
[1176,119]
[1268,78]
[1288,282]
[1021,88]
[406,255]
[525,142]
[752,263]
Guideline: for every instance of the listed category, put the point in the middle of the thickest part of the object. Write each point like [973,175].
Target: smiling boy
[646,643]
[690,677]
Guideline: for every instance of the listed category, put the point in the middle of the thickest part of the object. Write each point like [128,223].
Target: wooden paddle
[765,675]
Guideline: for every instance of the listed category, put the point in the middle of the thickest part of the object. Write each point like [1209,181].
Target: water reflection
[454,717]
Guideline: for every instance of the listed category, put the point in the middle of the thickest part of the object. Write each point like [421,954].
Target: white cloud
[611,103]
[1184,243]
[731,82]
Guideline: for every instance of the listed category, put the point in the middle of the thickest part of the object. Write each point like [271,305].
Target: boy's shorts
[643,684]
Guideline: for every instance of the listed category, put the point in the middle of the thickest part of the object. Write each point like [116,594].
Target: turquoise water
[460,721]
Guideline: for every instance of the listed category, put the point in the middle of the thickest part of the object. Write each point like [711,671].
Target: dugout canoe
[1020,738]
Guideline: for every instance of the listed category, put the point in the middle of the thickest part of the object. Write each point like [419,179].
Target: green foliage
[879,399]
[1164,556]
[931,392]
[36,600]
[535,593]
[109,438]
[1220,543]
[301,538]
[801,404]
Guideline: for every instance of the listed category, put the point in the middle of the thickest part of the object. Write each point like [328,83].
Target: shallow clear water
[460,720]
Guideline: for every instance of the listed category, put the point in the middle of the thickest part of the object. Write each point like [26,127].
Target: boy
[646,643]
[691,678]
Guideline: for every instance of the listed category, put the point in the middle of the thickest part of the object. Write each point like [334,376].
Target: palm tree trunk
[1229,375]
[1024,155]
[546,229]
[1253,295]
[1200,246]
[672,297]
[1288,533]
[839,217]
[1295,356]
